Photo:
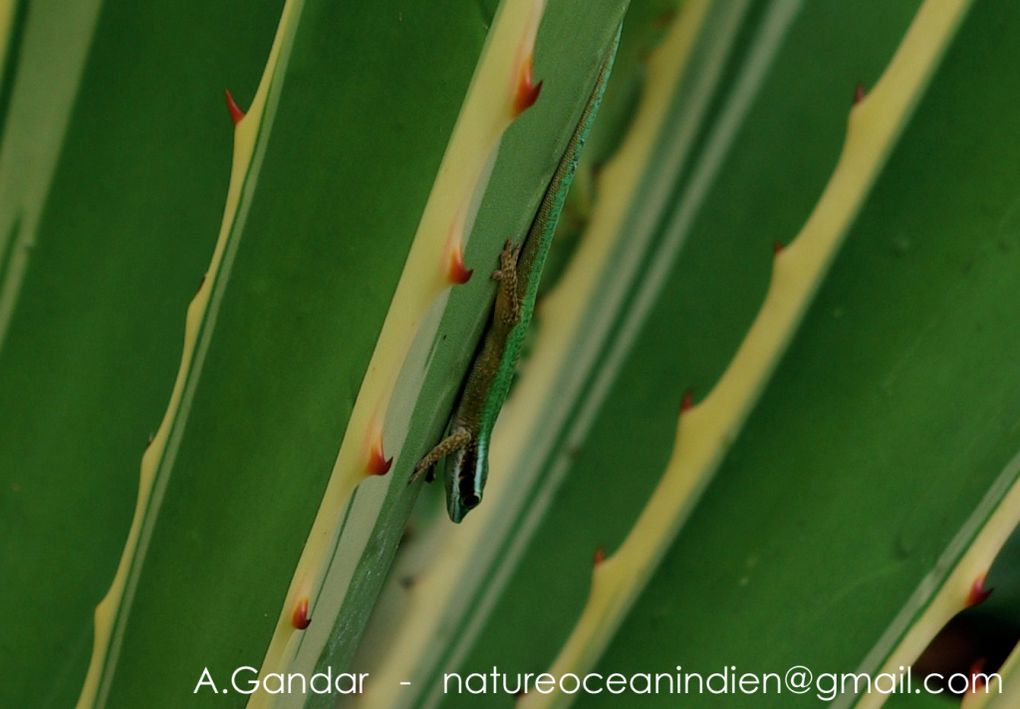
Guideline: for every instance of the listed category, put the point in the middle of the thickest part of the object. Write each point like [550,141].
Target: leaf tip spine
[300,619]
[598,556]
[236,114]
[777,247]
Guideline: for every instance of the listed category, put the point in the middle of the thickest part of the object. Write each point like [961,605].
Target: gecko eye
[471,501]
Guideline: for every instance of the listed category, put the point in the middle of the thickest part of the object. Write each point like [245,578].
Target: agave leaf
[598,515]
[281,331]
[294,305]
[890,472]
[955,582]
[463,557]
[105,239]
[707,429]
[367,535]
[850,492]
[777,198]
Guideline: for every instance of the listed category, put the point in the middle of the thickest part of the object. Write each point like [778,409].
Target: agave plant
[767,415]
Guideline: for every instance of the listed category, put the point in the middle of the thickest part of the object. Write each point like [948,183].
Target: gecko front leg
[458,439]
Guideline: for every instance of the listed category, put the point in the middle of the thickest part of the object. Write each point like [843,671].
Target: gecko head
[465,480]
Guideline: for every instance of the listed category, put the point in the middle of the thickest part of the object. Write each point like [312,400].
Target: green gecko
[488,381]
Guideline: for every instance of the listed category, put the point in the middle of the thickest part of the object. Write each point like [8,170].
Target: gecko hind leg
[451,444]
[506,275]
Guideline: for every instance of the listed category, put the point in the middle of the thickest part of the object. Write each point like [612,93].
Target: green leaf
[113,166]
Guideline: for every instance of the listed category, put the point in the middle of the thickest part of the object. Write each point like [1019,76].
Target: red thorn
[456,272]
[301,619]
[777,247]
[599,556]
[527,92]
[687,402]
[978,592]
[378,463]
[859,93]
[236,114]
[976,669]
